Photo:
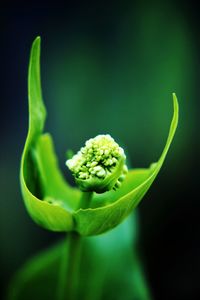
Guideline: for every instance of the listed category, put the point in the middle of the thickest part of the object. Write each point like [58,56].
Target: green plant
[108,194]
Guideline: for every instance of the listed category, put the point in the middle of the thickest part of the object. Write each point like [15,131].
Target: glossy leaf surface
[97,220]
[42,184]
[50,201]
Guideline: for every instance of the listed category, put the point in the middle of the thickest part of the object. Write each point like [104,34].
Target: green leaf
[50,201]
[38,278]
[121,203]
[106,264]
[114,269]
[48,198]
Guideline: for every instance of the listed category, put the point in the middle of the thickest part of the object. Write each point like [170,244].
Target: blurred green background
[109,67]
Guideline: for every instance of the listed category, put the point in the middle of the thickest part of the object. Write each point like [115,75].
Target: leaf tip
[38,38]
[175,100]
[37,42]
[175,103]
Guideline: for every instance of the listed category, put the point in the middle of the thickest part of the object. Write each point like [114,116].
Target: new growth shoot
[100,165]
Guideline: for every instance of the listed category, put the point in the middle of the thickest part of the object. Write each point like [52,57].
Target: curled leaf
[100,219]
[49,199]
[42,184]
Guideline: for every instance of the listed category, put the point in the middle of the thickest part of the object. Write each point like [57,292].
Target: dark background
[109,67]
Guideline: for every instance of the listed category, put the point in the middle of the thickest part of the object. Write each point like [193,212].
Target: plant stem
[85,199]
[73,265]
[70,264]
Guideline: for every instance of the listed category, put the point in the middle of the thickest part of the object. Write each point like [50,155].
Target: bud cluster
[99,159]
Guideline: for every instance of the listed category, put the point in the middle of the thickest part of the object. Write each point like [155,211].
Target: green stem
[73,265]
[85,199]
[70,264]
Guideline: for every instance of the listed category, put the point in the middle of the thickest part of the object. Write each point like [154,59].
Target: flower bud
[99,166]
